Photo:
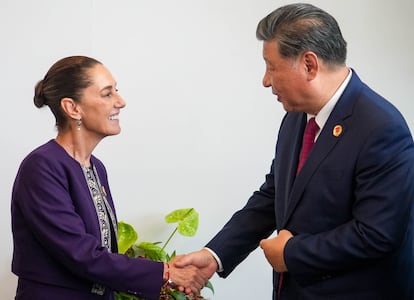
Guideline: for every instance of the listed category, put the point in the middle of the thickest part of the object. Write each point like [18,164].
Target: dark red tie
[308,141]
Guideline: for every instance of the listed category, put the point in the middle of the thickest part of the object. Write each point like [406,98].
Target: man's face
[286,77]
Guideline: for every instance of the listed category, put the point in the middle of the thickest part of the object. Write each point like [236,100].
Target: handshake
[191,272]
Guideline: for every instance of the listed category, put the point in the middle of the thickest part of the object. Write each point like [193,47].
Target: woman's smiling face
[100,104]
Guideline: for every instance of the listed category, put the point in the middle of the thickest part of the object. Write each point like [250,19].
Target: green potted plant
[187,225]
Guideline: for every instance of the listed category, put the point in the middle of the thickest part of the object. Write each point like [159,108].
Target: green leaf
[187,219]
[127,236]
[152,251]
[209,285]
[177,295]
[171,256]
[125,296]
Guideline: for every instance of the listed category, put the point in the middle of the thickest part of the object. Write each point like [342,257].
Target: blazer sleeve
[44,193]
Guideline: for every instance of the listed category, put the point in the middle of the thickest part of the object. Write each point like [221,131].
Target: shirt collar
[326,110]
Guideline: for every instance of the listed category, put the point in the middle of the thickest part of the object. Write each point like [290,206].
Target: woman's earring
[78,124]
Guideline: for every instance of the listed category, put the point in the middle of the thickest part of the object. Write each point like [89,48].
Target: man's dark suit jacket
[57,238]
[350,209]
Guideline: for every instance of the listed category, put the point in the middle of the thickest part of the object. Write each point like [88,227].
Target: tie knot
[312,128]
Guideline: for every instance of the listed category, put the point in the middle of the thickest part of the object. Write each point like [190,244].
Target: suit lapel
[288,148]
[325,143]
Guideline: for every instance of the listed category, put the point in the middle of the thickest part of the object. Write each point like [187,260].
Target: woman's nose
[120,102]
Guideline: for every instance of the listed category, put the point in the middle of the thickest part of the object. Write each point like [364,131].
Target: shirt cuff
[219,264]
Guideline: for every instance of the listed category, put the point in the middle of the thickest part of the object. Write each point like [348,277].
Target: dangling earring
[78,124]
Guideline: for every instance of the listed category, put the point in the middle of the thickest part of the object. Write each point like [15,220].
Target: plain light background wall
[199,129]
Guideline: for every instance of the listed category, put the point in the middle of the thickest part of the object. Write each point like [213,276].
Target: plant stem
[169,238]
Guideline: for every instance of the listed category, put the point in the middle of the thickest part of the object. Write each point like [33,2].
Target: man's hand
[202,260]
[188,276]
[273,249]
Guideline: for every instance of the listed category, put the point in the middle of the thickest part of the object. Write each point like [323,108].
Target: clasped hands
[191,272]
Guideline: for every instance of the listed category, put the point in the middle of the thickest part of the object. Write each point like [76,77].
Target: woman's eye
[110,93]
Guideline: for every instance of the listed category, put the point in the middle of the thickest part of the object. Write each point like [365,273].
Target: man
[344,215]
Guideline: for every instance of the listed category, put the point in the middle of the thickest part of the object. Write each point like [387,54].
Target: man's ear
[71,108]
[311,63]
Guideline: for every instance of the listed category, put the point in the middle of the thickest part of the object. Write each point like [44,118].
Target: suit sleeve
[243,232]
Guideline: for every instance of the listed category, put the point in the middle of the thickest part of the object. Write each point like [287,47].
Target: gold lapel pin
[337,131]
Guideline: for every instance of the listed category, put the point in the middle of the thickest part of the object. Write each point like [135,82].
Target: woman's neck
[77,147]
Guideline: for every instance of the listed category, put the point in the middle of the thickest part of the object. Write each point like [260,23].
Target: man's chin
[287,108]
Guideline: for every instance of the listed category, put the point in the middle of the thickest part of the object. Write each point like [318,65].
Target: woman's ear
[70,107]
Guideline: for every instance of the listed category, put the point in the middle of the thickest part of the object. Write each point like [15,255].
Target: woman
[63,218]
